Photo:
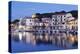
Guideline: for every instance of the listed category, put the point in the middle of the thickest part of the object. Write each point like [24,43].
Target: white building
[26,23]
[56,23]
[59,21]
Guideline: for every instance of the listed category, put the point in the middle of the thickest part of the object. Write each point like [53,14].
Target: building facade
[58,22]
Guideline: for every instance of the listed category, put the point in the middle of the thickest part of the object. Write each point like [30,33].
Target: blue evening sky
[21,9]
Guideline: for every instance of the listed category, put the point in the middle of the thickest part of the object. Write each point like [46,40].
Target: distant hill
[15,21]
[73,12]
[49,15]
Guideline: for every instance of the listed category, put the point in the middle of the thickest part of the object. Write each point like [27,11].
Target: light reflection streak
[58,39]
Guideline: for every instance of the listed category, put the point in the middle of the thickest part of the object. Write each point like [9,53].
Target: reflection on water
[53,40]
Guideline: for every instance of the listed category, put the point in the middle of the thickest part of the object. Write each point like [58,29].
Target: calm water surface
[34,41]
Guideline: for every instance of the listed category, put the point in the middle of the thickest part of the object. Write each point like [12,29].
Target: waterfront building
[26,23]
[14,25]
[72,25]
[58,23]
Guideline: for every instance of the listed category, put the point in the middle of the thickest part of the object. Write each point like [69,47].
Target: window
[61,16]
[53,19]
[69,16]
[64,19]
[30,23]
[53,27]
[53,23]
[64,16]
[50,27]
[30,20]
[63,23]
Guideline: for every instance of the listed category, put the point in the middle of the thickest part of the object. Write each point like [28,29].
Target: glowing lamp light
[72,39]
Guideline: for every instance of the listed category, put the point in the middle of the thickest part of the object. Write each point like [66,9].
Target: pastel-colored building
[72,25]
[58,22]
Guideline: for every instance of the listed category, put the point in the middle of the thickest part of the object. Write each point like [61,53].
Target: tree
[74,13]
[15,21]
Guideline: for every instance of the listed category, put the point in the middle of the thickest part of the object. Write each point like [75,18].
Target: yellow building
[72,24]
[13,26]
[34,15]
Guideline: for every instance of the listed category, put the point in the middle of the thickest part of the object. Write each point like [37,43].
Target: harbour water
[36,41]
